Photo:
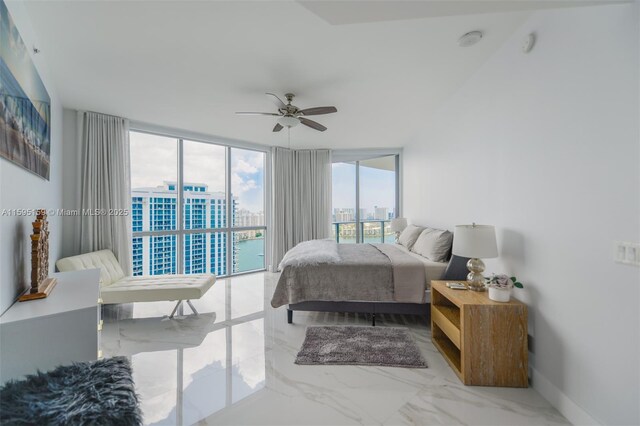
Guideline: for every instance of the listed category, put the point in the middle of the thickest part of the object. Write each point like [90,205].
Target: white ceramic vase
[499,294]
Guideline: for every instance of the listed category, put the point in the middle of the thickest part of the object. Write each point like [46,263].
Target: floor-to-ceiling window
[197,207]
[154,166]
[365,197]
[247,193]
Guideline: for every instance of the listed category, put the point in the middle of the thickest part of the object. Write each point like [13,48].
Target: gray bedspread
[365,273]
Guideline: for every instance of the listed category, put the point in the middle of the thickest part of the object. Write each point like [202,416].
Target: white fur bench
[115,287]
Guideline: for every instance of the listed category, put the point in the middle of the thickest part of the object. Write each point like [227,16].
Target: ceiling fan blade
[318,110]
[276,100]
[277,128]
[312,124]
[257,113]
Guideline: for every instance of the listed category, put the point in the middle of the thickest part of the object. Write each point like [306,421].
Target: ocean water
[250,255]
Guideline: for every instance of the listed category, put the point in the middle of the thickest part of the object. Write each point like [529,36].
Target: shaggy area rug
[87,393]
[381,346]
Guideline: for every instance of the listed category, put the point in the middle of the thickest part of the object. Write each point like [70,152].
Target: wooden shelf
[451,313]
[448,319]
[484,342]
[450,352]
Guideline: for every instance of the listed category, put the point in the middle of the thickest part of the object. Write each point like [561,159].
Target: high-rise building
[381,213]
[246,218]
[344,215]
[154,209]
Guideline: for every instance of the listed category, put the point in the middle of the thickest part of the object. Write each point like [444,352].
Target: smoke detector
[528,42]
[470,38]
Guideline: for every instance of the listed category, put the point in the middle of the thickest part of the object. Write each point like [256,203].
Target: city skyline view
[222,250]
[377,203]
[377,191]
[154,201]
[204,163]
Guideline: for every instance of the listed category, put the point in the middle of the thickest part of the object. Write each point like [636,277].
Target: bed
[373,279]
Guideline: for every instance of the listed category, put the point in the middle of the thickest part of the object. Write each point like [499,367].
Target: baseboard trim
[572,411]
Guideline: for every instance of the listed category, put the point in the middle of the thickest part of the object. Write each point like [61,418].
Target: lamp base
[475,279]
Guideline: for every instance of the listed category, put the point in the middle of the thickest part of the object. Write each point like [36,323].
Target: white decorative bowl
[499,294]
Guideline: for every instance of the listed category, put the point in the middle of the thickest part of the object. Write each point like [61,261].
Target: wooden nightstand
[484,342]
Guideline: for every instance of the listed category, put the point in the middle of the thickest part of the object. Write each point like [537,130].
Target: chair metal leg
[175,309]
[192,307]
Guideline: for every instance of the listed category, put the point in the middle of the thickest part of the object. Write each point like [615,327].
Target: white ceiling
[359,11]
[190,65]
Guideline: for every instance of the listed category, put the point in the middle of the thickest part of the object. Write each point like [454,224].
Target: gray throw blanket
[367,273]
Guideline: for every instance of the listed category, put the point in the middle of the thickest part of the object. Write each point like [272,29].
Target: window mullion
[179,211]
[358,202]
[229,206]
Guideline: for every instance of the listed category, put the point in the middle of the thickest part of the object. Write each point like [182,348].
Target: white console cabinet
[58,330]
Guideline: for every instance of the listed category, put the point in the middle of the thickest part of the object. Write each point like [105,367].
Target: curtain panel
[301,198]
[105,196]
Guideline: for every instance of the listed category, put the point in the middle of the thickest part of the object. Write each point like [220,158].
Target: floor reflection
[191,367]
[234,365]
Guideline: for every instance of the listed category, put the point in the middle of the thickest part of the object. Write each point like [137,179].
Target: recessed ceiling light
[469,39]
[528,42]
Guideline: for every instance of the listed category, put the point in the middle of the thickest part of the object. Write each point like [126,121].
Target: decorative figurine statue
[41,284]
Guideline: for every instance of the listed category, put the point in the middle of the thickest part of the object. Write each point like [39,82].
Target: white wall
[546,147]
[20,189]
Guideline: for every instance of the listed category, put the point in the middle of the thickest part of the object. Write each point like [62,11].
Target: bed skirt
[371,308]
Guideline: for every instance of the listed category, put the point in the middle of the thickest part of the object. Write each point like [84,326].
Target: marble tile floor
[234,365]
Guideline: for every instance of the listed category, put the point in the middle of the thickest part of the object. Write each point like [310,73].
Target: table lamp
[475,241]
[397,225]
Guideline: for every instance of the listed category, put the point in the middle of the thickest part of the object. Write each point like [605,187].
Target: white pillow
[434,244]
[409,236]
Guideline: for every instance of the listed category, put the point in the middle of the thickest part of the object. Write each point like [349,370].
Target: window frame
[180,232]
[355,156]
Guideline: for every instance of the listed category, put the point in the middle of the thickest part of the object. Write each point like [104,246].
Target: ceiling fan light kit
[290,115]
[288,121]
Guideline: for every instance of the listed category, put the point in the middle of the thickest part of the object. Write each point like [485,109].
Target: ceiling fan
[290,115]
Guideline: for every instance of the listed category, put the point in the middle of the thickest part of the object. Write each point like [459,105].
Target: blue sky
[377,187]
[154,158]
[247,180]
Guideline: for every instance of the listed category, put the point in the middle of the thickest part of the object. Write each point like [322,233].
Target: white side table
[58,330]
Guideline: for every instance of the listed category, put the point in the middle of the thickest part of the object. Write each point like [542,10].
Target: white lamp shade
[398,224]
[288,121]
[477,241]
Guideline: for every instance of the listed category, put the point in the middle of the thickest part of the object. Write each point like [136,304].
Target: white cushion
[110,270]
[155,288]
[409,236]
[434,244]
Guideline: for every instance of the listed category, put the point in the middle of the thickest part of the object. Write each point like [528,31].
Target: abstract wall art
[25,105]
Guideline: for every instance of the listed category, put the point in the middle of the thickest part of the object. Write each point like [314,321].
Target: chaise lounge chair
[115,287]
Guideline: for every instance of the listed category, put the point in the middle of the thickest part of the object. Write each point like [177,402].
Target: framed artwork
[25,105]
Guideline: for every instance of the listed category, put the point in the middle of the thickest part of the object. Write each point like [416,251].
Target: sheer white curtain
[301,198]
[105,193]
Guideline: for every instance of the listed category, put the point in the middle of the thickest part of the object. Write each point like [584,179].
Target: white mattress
[433,270]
